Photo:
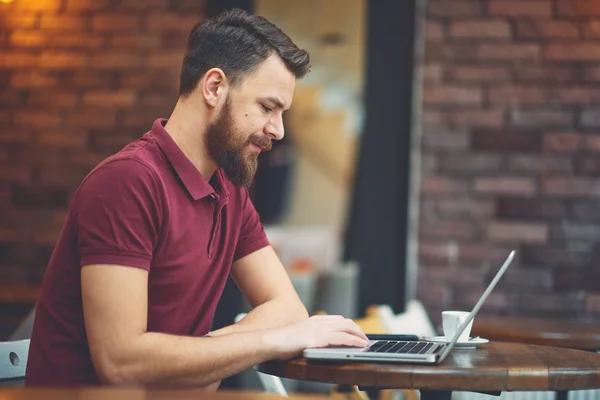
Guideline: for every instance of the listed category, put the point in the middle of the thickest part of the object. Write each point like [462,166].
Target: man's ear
[214,86]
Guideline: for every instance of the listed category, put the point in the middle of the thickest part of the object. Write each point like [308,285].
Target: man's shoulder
[136,163]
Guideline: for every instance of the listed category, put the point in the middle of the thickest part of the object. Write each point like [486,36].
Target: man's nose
[275,128]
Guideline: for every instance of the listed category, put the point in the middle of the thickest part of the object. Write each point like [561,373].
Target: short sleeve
[117,215]
[252,234]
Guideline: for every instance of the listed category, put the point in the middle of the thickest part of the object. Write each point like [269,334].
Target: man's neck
[187,128]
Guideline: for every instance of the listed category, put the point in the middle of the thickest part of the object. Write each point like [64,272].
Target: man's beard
[228,148]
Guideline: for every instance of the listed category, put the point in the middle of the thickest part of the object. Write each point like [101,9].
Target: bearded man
[154,231]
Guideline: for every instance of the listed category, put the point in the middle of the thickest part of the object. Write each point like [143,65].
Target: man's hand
[316,331]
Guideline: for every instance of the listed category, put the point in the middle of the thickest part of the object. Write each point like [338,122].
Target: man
[154,231]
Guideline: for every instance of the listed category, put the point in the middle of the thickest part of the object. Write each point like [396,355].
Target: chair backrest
[13,359]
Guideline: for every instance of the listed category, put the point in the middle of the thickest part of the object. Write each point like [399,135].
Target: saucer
[471,344]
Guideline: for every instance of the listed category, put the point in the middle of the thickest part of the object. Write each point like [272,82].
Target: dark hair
[237,42]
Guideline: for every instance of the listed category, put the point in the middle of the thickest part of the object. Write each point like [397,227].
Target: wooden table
[136,394]
[560,333]
[493,367]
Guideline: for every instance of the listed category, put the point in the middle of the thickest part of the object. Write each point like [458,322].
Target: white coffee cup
[451,322]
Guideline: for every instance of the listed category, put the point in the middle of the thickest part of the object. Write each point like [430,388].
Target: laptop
[421,352]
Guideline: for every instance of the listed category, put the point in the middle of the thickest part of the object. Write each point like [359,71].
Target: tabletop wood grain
[496,366]
[550,332]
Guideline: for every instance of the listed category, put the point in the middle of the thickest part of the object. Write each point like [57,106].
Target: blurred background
[430,139]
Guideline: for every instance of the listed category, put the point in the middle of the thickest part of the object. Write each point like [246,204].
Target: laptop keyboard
[383,346]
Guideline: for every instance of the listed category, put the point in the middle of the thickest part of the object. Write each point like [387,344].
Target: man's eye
[266,108]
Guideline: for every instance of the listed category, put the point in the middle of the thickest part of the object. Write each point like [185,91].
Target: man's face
[250,119]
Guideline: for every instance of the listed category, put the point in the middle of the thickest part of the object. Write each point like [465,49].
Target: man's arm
[115,306]
[263,280]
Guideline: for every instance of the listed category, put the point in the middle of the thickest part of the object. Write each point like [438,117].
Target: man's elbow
[116,371]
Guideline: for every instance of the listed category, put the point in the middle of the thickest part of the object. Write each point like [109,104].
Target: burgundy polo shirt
[145,207]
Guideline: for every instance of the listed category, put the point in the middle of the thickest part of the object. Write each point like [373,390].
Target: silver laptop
[421,352]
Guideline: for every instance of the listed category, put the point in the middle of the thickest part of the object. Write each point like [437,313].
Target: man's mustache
[263,142]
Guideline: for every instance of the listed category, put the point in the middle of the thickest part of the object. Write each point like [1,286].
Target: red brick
[505,141]
[464,208]
[587,165]
[192,5]
[449,229]
[520,8]
[20,20]
[516,95]
[525,279]
[115,60]
[37,5]
[36,118]
[31,79]
[590,118]
[70,41]
[475,118]
[52,99]
[440,185]
[445,140]
[532,29]
[136,5]
[466,296]
[520,232]
[92,118]
[578,8]
[438,51]
[454,8]
[63,138]
[509,52]
[561,141]
[506,185]
[474,73]
[591,29]
[85,79]
[16,135]
[452,95]
[579,51]
[147,40]
[469,164]
[591,74]
[109,98]
[155,100]
[432,73]
[65,22]
[159,80]
[534,163]
[428,164]
[143,120]
[161,21]
[518,208]
[166,59]
[591,143]
[17,59]
[586,210]
[570,186]
[87,5]
[541,118]
[559,306]
[434,30]
[592,303]
[115,23]
[545,74]
[479,29]
[63,60]
[107,141]
[28,38]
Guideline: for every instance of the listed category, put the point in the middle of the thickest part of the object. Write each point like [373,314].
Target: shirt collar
[195,183]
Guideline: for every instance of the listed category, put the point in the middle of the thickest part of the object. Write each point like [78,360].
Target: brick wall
[511,156]
[78,80]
